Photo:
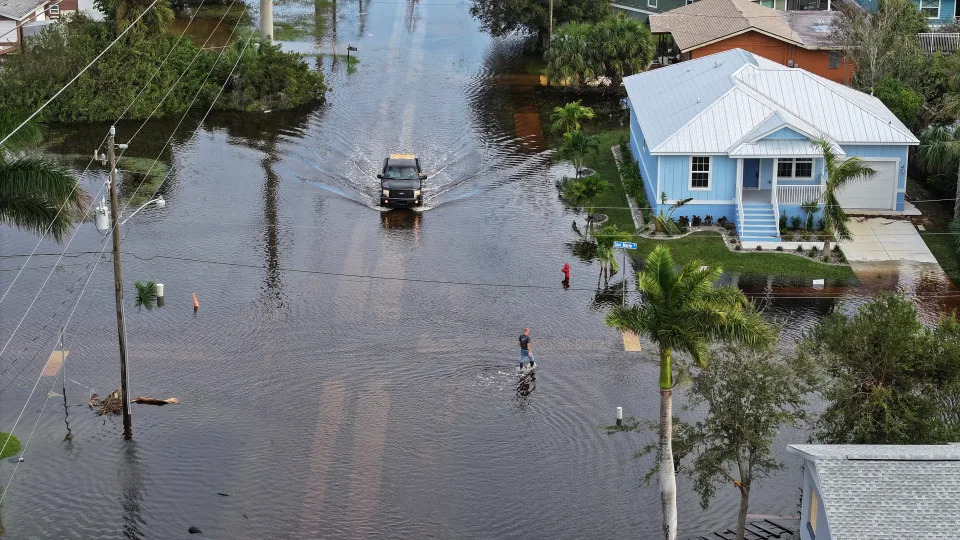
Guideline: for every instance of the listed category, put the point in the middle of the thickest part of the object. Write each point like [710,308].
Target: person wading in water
[526,353]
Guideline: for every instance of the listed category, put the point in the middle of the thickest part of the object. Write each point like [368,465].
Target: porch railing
[943,42]
[799,194]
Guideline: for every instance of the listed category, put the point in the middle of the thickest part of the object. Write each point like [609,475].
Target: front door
[751,174]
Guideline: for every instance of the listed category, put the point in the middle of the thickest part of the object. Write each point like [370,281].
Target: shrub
[795,223]
[821,225]
[739,247]
[265,78]
[814,249]
[684,221]
[783,221]
[722,221]
[779,248]
[799,249]
[730,227]
[708,221]
[812,255]
[697,221]
[759,247]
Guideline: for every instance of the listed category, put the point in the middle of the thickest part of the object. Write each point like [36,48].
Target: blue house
[734,131]
[865,492]
[937,12]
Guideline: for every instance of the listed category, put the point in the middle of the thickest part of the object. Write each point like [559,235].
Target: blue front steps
[759,223]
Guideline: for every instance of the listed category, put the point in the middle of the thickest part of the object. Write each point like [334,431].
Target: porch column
[773,183]
[739,195]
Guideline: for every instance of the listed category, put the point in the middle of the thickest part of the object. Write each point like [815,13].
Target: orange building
[803,39]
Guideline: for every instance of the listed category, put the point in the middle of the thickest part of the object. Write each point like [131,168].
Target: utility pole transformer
[266,20]
[118,284]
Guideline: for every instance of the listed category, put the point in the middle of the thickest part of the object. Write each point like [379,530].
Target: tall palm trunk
[956,200]
[668,480]
[828,234]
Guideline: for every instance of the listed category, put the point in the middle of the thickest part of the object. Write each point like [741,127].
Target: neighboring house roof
[716,103]
[18,9]
[887,491]
[708,21]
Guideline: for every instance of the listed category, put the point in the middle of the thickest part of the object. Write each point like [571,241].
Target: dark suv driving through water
[401,181]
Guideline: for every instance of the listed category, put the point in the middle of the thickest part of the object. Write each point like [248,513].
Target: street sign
[625,245]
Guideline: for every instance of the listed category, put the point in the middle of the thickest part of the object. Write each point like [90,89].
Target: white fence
[799,194]
[932,42]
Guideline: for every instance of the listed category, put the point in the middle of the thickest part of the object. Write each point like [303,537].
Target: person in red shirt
[566,275]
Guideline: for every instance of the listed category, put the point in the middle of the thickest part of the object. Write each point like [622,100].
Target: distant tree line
[265,78]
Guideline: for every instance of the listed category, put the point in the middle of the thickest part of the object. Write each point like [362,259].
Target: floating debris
[154,401]
[112,404]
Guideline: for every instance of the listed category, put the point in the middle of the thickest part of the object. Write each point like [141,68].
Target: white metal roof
[711,104]
[873,492]
[18,9]
[779,148]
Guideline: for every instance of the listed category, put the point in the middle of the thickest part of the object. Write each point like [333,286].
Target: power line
[463,283]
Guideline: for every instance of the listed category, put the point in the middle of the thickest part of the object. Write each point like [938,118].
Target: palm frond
[30,134]
[31,177]
[35,216]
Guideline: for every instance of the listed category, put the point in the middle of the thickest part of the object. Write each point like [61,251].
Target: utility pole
[118,283]
[266,20]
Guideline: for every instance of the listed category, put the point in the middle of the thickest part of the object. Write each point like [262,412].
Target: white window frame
[652,3]
[709,174]
[939,9]
[793,168]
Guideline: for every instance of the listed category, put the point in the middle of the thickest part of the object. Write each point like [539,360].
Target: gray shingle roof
[873,492]
[17,9]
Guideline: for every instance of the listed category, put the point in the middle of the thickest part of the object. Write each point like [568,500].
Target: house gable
[785,133]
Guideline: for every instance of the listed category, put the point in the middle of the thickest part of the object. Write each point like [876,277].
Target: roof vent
[698,100]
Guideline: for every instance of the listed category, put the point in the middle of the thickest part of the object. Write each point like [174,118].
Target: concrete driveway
[884,239]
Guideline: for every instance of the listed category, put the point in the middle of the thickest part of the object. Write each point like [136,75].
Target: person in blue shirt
[526,353]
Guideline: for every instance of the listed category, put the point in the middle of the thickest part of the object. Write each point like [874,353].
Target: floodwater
[350,371]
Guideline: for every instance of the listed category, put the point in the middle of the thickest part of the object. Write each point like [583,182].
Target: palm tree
[122,13]
[940,152]
[571,58]
[606,254]
[626,47]
[839,174]
[684,311]
[567,118]
[33,189]
[577,146]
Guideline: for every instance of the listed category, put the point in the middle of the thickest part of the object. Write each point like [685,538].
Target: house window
[930,8]
[803,168]
[834,60]
[785,168]
[795,168]
[814,508]
[700,172]
[652,3]
[690,2]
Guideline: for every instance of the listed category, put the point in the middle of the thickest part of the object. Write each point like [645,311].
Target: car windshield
[401,173]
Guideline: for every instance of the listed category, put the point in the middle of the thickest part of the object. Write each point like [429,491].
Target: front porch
[766,186]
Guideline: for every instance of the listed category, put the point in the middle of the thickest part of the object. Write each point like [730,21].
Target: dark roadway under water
[322,404]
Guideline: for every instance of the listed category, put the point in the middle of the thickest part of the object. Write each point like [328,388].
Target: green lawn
[706,246]
[936,219]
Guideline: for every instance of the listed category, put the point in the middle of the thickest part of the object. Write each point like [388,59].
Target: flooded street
[350,372]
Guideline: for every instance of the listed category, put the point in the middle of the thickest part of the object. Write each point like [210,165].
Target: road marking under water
[54,363]
[329,416]
[631,343]
[369,439]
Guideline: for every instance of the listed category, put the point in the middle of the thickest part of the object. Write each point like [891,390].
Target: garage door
[875,193]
